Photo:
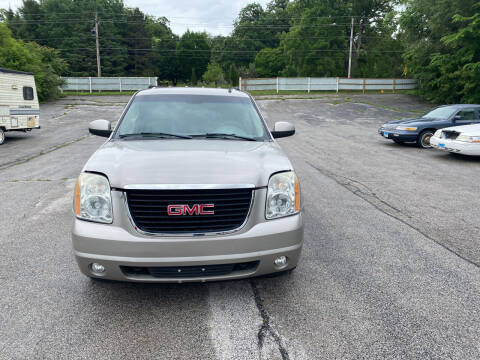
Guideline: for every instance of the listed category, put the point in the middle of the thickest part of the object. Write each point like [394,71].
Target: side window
[466,114]
[27,93]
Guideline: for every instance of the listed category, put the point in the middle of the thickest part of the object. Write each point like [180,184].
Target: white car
[458,139]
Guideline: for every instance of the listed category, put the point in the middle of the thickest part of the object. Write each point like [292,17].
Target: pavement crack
[266,328]
[43,152]
[383,206]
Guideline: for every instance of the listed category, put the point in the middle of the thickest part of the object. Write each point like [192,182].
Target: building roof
[3,70]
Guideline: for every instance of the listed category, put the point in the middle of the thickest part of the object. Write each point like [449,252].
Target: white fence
[327,84]
[107,83]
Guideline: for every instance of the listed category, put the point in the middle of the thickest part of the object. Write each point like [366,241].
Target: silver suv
[190,186]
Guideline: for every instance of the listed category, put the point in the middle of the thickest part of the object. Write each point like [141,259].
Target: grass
[324,92]
[392,108]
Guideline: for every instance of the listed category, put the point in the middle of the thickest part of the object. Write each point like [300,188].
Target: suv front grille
[148,209]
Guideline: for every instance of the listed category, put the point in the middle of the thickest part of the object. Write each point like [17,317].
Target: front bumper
[119,245]
[454,146]
[404,136]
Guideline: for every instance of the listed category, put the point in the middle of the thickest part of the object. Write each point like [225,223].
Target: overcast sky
[213,16]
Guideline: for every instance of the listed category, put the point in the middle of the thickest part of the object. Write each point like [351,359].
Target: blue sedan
[420,130]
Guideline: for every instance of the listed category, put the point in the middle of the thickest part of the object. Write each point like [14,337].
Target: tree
[164,50]
[233,75]
[129,39]
[434,47]
[193,78]
[43,62]
[213,74]
[270,62]
[382,53]
[313,47]
[138,39]
[193,54]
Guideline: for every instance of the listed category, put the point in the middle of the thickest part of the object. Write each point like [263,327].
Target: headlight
[92,198]
[407,128]
[466,138]
[438,134]
[283,195]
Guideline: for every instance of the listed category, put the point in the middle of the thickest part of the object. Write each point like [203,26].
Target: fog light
[280,261]
[97,268]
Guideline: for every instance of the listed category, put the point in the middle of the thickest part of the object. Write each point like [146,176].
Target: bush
[213,74]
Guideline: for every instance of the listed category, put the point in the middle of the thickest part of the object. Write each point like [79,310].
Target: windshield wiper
[225,136]
[156,135]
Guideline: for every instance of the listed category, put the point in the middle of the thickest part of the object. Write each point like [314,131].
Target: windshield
[185,116]
[440,113]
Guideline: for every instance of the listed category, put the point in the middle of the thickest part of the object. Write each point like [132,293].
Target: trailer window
[27,93]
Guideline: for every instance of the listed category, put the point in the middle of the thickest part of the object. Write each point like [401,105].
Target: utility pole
[99,70]
[350,56]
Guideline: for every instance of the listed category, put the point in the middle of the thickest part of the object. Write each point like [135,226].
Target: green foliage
[214,74]
[164,47]
[464,67]
[193,77]
[42,61]
[270,62]
[193,54]
[381,53]
[131,43]
[311,47]
[233,75]
[442,50]
[435,41]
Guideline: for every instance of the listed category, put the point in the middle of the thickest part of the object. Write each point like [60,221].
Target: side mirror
[457,117]
[100,128]
[283,129]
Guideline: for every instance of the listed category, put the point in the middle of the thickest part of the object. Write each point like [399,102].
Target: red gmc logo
[196,209]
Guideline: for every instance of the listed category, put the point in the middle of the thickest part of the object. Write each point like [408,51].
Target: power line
[206,52]
[153,38]
[92,12]
[208,24]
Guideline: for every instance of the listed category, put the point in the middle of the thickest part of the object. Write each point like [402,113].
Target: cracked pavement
[390,266]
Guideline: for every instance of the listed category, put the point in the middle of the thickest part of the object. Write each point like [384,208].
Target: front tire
[2,136]
[423,140]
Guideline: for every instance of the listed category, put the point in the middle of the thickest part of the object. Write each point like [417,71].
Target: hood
[413,121]
[470,130]
[146,162]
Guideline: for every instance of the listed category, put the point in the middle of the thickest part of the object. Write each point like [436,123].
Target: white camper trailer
[19,110]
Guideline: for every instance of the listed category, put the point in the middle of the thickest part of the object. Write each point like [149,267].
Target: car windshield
[440,113]
[192,116]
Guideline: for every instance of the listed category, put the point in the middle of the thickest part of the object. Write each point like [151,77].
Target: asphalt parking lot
[390,265]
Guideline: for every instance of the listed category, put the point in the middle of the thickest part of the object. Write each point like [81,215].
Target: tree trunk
[357,45]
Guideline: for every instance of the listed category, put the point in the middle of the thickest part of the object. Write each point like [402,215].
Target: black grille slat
[148,209]
[189,221]
[189,271]
[208,227]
